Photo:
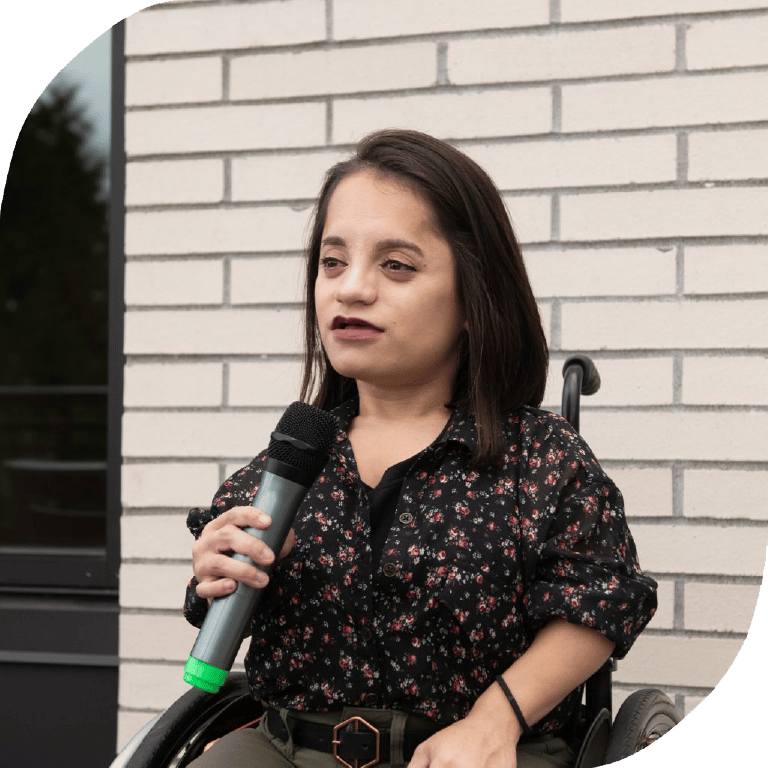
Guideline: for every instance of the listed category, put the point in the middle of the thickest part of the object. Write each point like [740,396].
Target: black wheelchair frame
[177,736]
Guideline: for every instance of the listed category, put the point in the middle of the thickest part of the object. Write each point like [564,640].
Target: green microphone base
[204,676]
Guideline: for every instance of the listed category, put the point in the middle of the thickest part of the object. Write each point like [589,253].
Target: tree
[53,251]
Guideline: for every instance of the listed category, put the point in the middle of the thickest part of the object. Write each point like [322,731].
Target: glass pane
[53,315]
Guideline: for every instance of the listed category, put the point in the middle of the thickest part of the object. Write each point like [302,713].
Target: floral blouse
[477,561]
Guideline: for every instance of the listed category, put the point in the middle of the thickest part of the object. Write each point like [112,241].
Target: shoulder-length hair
[504,355]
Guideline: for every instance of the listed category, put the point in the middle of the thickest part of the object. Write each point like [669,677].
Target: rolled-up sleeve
[586,569]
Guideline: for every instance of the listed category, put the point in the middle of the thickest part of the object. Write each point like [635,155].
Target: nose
[356,285]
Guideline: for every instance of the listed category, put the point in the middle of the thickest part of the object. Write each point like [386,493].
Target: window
[54,240]
[61,314]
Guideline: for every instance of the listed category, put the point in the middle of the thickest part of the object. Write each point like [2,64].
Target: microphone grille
[303,437]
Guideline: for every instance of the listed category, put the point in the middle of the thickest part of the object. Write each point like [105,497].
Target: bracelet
[515,706]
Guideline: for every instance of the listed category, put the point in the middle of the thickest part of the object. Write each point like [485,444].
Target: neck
[404,404]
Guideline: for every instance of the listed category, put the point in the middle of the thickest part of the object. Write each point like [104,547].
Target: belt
[355,743]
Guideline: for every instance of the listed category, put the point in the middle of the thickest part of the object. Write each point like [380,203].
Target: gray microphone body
[281,490]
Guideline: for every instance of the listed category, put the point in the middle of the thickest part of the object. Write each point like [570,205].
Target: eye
[329,263]
[393,265]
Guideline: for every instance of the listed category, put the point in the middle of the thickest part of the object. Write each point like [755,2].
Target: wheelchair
[177,736]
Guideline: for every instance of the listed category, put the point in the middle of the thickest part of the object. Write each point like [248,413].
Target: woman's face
[386,295]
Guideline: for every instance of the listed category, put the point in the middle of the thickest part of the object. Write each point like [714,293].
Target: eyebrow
[383,245]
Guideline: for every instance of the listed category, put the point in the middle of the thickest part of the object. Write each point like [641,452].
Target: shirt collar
[460,429]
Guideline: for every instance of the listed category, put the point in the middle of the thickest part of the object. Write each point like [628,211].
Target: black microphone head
[303,437]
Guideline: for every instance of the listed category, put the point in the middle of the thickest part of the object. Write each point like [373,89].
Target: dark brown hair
[503,357]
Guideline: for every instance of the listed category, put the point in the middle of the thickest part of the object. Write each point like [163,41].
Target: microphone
[296,455]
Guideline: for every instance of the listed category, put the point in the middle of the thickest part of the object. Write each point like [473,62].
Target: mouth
[354,330]
[343,323]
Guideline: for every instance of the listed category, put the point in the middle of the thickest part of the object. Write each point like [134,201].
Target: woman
[462,564]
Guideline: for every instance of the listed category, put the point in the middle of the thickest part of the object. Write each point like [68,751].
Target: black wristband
[515,706]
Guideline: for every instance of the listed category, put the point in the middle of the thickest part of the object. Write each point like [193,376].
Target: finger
[241,517]
[231,538]
[216,567]
[213,588]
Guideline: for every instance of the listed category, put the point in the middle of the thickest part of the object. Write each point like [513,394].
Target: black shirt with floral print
[475,562]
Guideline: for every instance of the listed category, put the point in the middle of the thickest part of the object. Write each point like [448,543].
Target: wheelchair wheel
[643,718]
[196,718]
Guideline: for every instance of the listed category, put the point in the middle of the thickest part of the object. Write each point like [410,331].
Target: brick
[531,217]
[579,163]
[267,280]
[150,685]
[649,435]
[197,435]
[275,384]
[173,82]
[725,380]
[720,607]
[727,43]
[665,613]
[158,537]
[545,311]
[228,230]
[513,112]
[727,268]
[340,70]
[199,332]
[683,100]
[647,492]
[153,283]
[698,662]
[664,213]
[173,384]
[691,702]
[562,55]
[174,181]
[608,271]
[725,493]
[664,325]
[281,177]
[169,484]
[242,25]
[726,155]
[597,10]
[700,549]
[172,638]
[224,128]
[394,18]
[646,381]
[154,586]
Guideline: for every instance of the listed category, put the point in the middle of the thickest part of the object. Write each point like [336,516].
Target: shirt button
[440,452]
[370,700]
[390,569]
[406,518]
[366,634]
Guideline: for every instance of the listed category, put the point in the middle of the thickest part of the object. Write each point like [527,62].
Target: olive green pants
[258,748]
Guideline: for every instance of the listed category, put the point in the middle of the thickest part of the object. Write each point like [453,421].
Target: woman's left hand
[469,742]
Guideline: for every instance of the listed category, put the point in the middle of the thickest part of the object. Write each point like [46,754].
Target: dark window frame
[52,569]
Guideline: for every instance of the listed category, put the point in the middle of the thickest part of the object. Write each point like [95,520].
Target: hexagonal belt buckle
[357,721]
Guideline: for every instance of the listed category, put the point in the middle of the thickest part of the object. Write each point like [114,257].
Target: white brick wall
[629,142]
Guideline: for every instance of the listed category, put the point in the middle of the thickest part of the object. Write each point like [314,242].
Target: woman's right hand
[216,571]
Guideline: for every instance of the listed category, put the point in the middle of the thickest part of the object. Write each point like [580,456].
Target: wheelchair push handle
[580,377]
